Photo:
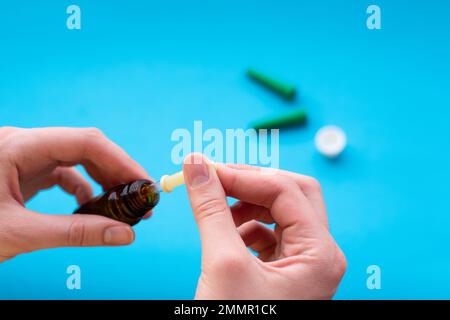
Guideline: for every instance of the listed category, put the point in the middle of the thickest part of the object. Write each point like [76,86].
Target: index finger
[104,161]
[309,186]
[288,205]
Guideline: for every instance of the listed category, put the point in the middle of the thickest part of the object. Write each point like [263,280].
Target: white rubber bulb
[170,182]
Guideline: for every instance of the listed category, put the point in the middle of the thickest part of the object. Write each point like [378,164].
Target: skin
[35,159]
[299,259]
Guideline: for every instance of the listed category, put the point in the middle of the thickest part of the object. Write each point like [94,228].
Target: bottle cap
[330,141]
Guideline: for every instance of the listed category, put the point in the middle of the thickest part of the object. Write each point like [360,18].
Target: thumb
[41,231]
[209,204]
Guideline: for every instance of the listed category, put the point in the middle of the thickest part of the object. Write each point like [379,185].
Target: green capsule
[293,118]
[284,90]
[127,203]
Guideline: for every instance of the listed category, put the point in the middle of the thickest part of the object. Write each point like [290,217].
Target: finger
[310,187]
[148,215]
[107,163]
[69,179]
[73,182]
[243,212]
[41,231]
[288,206]
[211,211]
[259,238]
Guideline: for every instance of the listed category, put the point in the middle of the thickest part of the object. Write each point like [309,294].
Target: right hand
[299,259]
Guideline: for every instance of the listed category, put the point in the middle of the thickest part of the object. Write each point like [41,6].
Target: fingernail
[148,215]
[197,171]
[118,235]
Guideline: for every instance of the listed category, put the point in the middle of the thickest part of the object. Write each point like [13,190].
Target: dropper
[169,182]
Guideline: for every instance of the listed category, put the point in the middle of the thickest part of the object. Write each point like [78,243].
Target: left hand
[36,159]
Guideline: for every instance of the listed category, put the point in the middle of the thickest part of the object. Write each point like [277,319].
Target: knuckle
[287,183]
[92,137]
[6,141]
[313,184]
[340,264]
[330,264]
[336,264]
[277,185]
[210,207]
[283,184]
[94,134]
[77,233]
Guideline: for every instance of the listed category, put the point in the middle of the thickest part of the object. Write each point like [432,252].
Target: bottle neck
[140,197]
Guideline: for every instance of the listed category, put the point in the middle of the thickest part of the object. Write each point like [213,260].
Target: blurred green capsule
[290,119]
[284,90]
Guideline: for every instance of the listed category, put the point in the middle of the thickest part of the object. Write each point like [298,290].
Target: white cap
[330,141]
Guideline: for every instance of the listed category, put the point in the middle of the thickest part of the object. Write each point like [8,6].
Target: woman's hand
[297,260]
[36,159]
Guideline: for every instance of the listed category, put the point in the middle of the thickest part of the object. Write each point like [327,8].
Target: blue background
[140,69]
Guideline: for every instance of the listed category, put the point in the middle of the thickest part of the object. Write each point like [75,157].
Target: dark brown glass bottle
[126,202]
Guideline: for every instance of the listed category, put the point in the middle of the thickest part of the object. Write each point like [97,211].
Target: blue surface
[137,64]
